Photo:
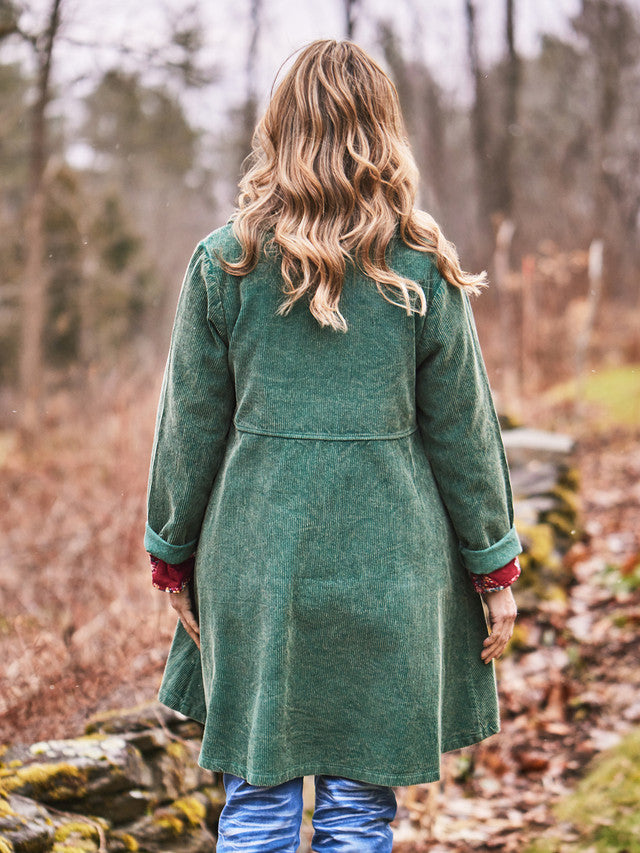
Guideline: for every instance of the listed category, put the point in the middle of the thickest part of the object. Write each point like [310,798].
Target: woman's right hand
[502,617]
[181,603]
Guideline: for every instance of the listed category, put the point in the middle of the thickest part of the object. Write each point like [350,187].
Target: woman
[327,448]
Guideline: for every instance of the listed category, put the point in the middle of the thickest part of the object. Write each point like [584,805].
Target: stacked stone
[132,783]
[545,485]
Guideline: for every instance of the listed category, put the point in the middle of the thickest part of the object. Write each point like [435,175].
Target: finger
[498,637]
[489,654]
[194,634]
[187,615]
[191,620]
[502,625]
[496,643]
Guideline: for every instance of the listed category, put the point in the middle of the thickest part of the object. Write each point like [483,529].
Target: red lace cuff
[498,579]
[171,578]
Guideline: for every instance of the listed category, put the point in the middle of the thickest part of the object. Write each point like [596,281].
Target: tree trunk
[250,109]
[351,16]
[480,128]
[512,85]
[35,286]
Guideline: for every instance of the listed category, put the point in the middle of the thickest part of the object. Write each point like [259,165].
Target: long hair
[330,178]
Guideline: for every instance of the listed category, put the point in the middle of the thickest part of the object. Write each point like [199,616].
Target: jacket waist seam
[324,436]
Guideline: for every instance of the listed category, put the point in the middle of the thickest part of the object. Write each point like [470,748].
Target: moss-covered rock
[68,770]
[80,828]
[46,781]
[139,790]
[25,826]
[149,715]
[176,770]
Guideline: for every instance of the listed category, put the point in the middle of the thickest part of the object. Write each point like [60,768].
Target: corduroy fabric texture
[336,487]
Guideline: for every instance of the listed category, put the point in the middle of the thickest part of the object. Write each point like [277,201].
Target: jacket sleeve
[461,434]
[194,415]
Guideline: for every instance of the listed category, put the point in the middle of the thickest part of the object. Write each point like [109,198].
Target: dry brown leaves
[79,617]
[568,690]
[82,629]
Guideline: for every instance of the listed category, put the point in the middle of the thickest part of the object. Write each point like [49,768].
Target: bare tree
[479,122]
[247,116]
[34,288]
[494,151]
[351,9]
[512,85]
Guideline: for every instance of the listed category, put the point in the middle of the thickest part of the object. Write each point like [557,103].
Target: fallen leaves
[569,689]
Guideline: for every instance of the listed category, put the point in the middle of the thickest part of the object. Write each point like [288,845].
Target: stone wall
[546,505]
[132,783]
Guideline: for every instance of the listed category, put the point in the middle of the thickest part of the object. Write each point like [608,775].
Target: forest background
[121,144]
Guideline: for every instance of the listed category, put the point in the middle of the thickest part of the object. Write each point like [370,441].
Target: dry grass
[79,616]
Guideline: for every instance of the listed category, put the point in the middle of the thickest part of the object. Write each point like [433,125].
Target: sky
[432,29]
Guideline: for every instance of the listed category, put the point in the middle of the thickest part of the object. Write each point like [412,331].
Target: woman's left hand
[181,603]
[502,616]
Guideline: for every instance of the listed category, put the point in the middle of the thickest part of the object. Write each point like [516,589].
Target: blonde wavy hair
[330,177]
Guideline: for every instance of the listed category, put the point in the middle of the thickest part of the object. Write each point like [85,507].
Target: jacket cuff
[172,554]
[498,579]
[494,557]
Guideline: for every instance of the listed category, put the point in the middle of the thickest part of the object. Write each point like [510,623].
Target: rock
[67,770]
[25,826]
[117,789]
[524,445]
[149,715]
[120,807]
[176,771]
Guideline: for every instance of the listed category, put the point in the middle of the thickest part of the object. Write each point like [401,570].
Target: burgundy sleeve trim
[171,578]
[498,579]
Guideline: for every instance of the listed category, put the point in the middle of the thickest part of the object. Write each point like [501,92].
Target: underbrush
[78,612]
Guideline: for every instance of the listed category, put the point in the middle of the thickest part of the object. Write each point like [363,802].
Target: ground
[82,630]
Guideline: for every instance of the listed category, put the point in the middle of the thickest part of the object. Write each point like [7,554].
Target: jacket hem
[494,557]
[172,554]
[428,773]
[325,436]
[178,703]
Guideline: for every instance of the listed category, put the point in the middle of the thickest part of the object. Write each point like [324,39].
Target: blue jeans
[349,817]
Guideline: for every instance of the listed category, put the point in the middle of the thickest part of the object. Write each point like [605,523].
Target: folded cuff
[172,554]
[493,557]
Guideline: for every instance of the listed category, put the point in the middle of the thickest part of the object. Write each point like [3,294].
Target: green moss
[77,827]
[141,715]
[5,808]
[570,478]
[5,846]
[563,525]
[168,821]
[192,809]
[58,781]
[63,847]
[177,750]
[129,842]
[538,542]
[603,809]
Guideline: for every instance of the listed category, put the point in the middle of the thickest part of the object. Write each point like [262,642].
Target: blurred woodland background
[121,147]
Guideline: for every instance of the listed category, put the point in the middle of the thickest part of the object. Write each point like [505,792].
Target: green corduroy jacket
[335,487]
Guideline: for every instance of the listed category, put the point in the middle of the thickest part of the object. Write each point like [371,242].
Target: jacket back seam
[324,436]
